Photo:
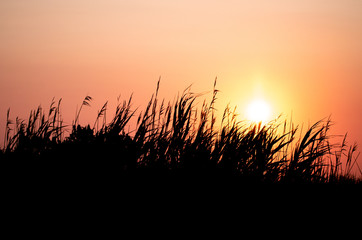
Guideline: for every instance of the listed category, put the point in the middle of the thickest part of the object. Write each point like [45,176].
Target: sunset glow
[269,57]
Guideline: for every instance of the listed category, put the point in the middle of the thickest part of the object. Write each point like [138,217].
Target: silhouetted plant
[175,139]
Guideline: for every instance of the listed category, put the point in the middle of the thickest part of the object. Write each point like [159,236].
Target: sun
[258,111]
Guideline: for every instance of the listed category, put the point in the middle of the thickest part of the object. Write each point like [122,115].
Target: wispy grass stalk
[179,139]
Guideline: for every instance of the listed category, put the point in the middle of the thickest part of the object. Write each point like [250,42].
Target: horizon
[303,58]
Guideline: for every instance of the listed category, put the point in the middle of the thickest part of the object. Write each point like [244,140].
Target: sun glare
[258,111]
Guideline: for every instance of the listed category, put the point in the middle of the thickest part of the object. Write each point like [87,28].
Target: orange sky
[301,56]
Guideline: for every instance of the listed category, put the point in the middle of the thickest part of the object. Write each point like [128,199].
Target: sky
[302,57]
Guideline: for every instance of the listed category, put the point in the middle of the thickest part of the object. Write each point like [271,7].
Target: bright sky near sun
[301,56]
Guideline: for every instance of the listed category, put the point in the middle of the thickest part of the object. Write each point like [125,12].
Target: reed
[175,140]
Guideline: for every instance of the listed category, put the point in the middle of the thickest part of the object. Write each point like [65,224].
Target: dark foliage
[172,142]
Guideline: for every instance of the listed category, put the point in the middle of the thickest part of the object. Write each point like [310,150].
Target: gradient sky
[301,56]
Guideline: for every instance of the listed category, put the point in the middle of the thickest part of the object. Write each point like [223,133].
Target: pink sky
[301,56]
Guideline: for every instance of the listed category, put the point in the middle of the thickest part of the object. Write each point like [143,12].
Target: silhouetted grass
[172,141]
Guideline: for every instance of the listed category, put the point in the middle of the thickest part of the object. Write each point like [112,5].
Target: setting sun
[181,87]
[258,111]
